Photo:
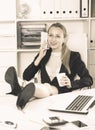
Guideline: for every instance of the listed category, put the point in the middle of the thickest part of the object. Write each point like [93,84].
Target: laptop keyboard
[79,103]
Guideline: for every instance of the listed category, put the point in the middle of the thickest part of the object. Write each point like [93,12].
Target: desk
[34,111]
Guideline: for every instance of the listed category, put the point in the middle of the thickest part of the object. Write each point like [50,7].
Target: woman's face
[55,38]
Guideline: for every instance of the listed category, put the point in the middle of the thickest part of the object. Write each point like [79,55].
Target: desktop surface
[34,113]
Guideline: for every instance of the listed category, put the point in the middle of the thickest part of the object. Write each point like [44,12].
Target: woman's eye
[50,35]
[53,36]
[58,36]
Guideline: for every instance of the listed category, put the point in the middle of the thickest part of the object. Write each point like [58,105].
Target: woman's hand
[42,53]
[65,81]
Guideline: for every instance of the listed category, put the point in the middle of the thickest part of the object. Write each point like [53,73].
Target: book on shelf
[92,8]
[84,8]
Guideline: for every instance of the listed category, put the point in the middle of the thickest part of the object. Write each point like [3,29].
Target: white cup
[60,76]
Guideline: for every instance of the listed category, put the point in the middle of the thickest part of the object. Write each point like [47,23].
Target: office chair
[78,42]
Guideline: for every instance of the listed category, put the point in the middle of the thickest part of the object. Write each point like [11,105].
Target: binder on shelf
[57,9]
[70,8]
[66,9]
[84,8]
[76,8]
[47,10]
[92,8]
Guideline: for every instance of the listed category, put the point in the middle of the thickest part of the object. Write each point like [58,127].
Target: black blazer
[77,67]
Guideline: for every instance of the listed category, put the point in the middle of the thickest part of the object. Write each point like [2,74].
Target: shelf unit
[91,40]
[20,58]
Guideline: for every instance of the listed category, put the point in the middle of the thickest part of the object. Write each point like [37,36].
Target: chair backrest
[78,42]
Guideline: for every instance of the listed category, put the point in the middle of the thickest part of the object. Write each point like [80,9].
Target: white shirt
[54,64]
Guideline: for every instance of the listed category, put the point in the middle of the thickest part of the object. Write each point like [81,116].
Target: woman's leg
[37,90]
[28,91]
[44,90]
[25,95]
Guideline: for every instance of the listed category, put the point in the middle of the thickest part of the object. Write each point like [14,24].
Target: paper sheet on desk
[15,116]
[91,117]
[9,112]
[37,109]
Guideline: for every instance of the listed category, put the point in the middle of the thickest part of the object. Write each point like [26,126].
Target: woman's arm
[42,53]
[78,67]
[33,68]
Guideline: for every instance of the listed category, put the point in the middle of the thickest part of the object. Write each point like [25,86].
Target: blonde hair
[65,53]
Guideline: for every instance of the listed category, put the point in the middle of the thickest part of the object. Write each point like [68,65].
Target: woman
[57,58]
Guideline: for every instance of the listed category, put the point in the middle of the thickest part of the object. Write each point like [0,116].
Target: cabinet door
[7,36]
[7,59]
[7,10]
[24,59]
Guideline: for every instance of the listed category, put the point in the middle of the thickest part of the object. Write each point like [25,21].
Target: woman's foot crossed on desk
[11,78]
[23,94]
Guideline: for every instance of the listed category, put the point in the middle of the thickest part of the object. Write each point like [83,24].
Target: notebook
[79,104]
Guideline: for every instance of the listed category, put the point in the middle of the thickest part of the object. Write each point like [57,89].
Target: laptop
[76,104]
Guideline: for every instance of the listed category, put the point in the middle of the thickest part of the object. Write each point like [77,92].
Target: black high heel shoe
[26,94]
[11,78]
